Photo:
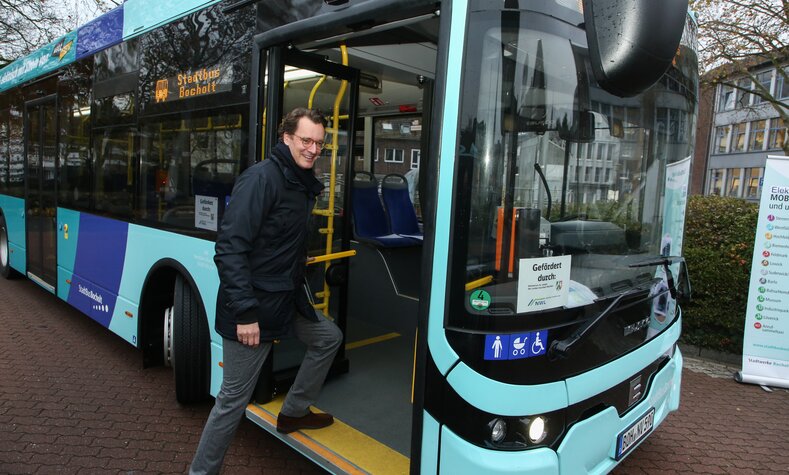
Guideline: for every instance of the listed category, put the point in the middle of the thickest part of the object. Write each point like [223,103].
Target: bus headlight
[498,430]
[537,430]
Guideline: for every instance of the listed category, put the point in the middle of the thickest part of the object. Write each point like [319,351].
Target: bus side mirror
[683,283]
[632,42]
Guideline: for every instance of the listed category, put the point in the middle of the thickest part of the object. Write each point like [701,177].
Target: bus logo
[162,90]
[61,49]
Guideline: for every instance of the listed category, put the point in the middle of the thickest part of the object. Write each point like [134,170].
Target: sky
[82,11]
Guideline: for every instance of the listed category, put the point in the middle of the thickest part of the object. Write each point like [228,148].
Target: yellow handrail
[335,134]
[479,282]
[315,90]
[330,257]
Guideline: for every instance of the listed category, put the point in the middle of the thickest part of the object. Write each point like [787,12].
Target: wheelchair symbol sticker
[539,340]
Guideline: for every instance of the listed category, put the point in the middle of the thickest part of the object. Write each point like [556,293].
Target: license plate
[637,431]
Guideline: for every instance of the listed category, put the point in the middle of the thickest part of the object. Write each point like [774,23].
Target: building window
[742,96]
[782,85]
[753,182]
[716,181]
[415,155]
[738,137]
[588,175]
[777,134]
[393,155]
[765,79]
[608,175]
[722,138]
[757,135]
[726,99]
[733,182]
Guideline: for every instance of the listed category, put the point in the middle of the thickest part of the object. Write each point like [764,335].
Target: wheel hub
[3,248]
[168,337]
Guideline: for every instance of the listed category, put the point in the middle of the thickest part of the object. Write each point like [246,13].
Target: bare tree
[735,36]
[26,25]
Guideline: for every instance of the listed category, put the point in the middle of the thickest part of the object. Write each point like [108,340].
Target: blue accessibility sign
[496,347]
[516,346]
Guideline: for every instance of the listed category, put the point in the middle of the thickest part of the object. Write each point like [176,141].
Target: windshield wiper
[538,168]
[665,261]
[562,348]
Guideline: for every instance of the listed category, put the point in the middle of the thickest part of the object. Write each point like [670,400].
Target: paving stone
[75,399]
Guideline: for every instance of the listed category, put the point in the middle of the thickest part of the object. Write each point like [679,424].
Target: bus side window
[189,160]
[113,187]
[3,151]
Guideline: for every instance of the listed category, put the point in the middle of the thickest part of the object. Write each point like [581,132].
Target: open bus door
[40,209]
[300,79]
[378,93]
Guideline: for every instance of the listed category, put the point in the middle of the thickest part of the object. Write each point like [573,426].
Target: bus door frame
[41,225]
[268,75]
[267,56]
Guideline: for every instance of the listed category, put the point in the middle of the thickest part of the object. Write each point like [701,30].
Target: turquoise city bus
[498,239]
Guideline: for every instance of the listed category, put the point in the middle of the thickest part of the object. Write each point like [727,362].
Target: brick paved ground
[75,399]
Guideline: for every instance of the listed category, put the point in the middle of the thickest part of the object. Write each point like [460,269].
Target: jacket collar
[303,179]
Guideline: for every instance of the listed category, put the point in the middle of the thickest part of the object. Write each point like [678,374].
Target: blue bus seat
[369,219]
[399,208]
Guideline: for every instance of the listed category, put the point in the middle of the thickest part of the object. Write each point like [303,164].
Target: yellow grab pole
[315,91]
[333,175]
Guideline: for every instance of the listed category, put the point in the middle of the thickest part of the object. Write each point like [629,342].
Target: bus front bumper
[588,447]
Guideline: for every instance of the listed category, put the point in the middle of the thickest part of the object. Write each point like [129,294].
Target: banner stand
[765,351]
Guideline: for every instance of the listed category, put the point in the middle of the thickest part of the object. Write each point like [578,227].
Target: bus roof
[130,19]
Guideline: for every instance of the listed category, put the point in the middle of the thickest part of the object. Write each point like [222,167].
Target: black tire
[5,252]
[191,360]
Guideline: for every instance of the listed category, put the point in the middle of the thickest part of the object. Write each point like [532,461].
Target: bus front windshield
[553,172]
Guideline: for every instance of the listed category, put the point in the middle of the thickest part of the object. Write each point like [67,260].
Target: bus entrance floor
[74,398]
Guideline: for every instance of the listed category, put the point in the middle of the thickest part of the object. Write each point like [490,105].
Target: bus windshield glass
[560,185]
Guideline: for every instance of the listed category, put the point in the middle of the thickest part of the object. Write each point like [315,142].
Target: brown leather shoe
[312,420]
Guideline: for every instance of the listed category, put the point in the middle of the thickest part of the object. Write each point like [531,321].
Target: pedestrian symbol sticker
[479,300]
[496,347]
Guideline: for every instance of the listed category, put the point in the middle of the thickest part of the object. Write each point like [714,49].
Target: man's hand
[248,334]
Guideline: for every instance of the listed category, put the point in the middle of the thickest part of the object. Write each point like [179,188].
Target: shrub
[718,248]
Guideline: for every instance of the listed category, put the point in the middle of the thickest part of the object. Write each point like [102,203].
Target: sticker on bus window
[479,299]
[544,283]
[206,212]
[515,347]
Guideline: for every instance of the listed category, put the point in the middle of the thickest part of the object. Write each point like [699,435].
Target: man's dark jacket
[261,247]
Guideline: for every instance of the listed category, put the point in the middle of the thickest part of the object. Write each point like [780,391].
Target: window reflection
[549,164]
[188,167]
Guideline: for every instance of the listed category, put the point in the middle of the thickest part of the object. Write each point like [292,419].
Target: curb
[711,355]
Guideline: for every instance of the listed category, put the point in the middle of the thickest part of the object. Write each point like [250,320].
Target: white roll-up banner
[765,351]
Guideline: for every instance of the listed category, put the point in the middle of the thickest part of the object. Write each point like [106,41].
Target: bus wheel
[186,344]
[5,252]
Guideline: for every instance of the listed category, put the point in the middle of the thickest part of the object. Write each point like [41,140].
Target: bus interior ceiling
[375,396]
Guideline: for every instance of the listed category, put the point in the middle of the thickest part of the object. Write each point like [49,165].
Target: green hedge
[718,248]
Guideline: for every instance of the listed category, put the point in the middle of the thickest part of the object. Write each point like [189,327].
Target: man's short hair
[290,122]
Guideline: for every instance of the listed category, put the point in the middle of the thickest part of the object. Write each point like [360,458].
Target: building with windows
[737,132]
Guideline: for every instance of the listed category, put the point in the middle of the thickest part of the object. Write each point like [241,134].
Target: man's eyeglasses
[307,142]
